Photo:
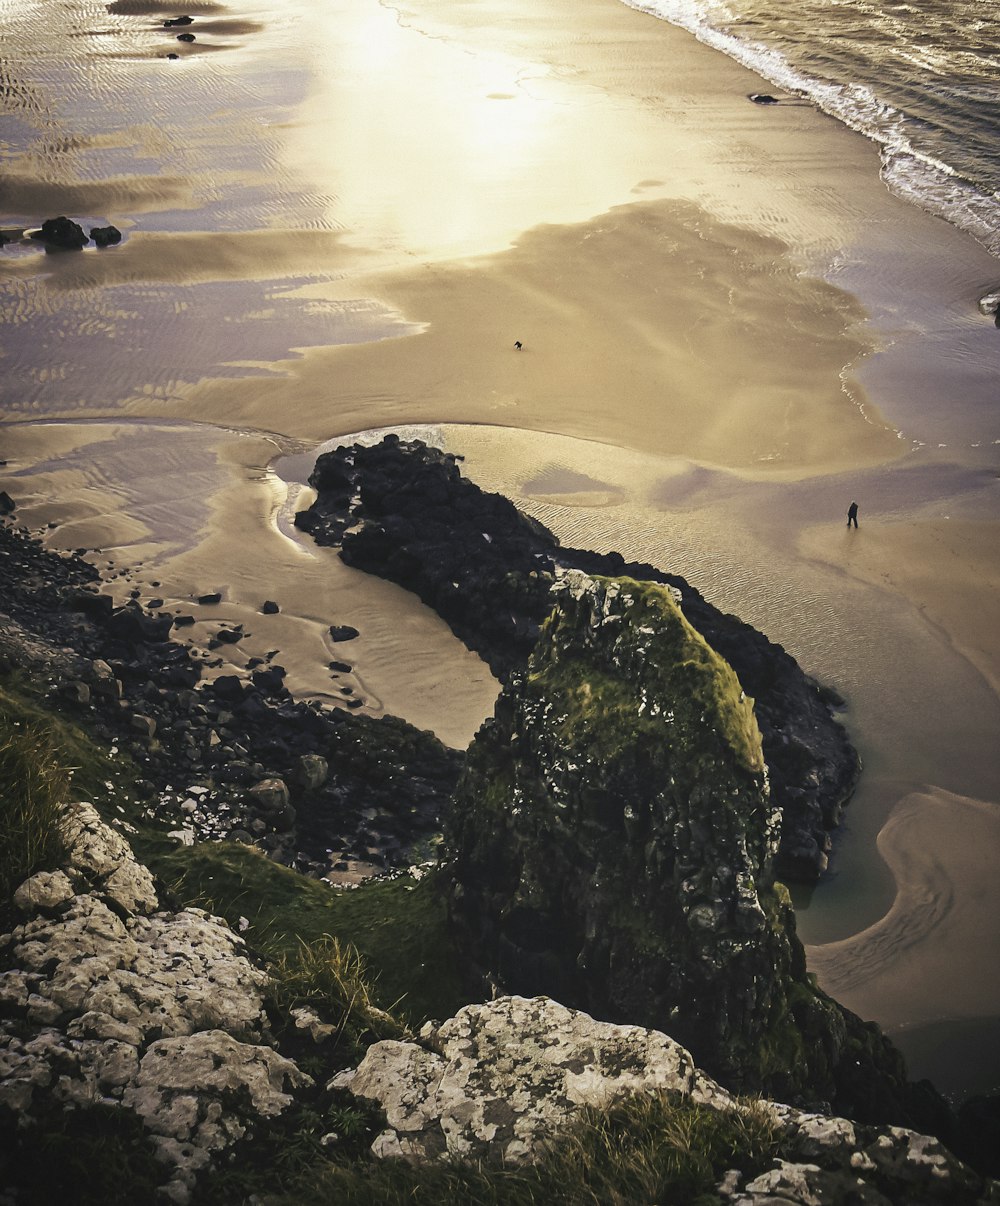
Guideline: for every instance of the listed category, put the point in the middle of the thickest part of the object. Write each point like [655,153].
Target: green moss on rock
[649,637]
[614,839]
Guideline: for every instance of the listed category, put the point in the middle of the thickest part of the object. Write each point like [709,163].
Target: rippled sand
[341,217]
[935,955]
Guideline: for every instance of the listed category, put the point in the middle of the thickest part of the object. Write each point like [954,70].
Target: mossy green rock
[613,840]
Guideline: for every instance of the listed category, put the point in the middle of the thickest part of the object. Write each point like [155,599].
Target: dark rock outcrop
[61,234]
[343,632]
[613,839]
[403,511]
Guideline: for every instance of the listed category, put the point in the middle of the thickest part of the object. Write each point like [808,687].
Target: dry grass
[648,1149]
[331,978]
[34,789]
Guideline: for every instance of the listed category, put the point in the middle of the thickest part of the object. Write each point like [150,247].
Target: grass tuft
[657,1148]
[331,978]
[398,925]
[650,1148]
[34,790]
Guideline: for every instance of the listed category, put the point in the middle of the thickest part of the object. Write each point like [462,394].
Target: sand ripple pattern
[934,955]
[925,896]
[99,120]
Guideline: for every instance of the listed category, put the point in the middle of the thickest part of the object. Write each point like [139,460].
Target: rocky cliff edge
[113,1005]
[613,839]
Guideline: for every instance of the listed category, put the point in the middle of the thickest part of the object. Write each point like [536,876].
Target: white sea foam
[913,173]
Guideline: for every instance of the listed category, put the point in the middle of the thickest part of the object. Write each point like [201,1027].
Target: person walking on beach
[852,514]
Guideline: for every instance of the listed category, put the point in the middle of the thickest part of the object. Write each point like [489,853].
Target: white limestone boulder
[497,1080]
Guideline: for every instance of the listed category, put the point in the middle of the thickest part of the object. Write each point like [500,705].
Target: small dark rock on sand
[343,632]
[762,98]
[178,21]
[7,504]
[269,608]
[185,37]
[106,236]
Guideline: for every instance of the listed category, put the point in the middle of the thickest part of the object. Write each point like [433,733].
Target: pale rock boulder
[107,1001]
[74,1072]
[497,1080]
[497,1083]
[168,974]
[43,891]
[184,1088]
[103,860]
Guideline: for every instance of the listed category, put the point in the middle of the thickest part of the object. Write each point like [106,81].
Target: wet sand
[112,488]
[935,956]
[729,356]
[947,566]
[344,218]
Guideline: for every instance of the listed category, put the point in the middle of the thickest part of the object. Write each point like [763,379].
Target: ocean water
[921,78]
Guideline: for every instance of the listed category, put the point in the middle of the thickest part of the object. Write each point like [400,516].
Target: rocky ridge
[403,511]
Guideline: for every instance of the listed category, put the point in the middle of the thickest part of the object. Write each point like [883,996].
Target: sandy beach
[340,221]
